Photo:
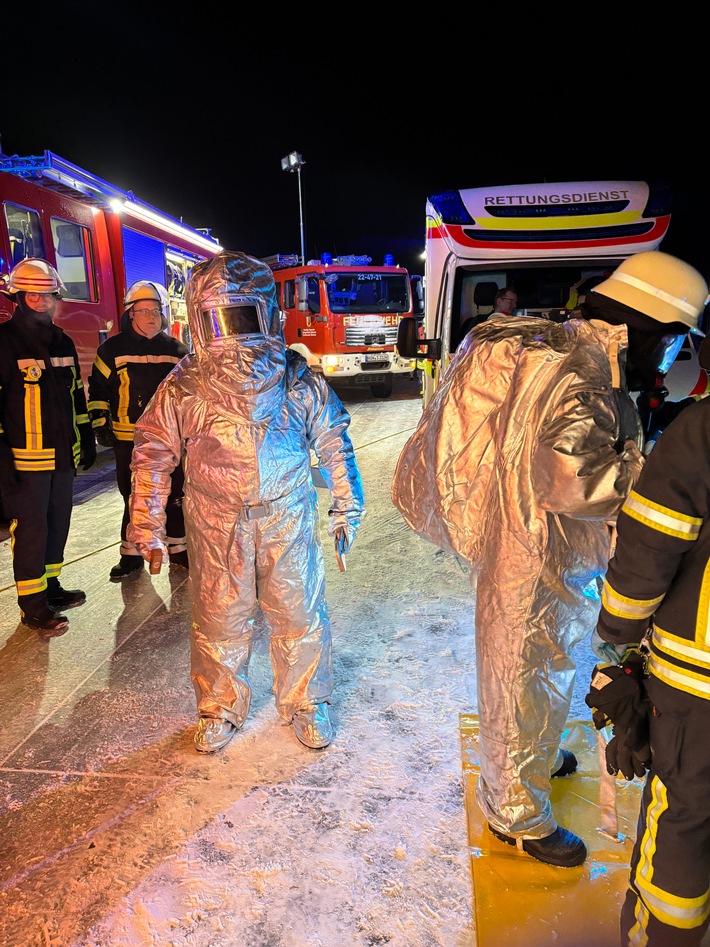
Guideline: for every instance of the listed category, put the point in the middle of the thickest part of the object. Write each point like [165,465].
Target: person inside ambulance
[565,452]
[45,435]
[127,369]
[244,413]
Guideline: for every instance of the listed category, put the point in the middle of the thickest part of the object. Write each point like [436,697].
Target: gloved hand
[622,757]
[348,522]
[617,695]
[146,550]
[607,652]
[87,458]
[103,428]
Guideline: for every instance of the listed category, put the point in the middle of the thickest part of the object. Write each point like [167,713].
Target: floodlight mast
[294,162]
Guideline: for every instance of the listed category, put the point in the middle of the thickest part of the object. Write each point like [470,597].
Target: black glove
[88,446]
[630,761]
[617,693]
[103,428]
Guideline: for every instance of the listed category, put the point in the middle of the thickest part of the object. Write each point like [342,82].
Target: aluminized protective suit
[244,414]
[526,452]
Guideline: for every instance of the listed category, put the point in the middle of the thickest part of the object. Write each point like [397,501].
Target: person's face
[147,318]
[507,303]
[42,303]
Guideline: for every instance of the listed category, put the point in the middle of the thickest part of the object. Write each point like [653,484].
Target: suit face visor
[235,318]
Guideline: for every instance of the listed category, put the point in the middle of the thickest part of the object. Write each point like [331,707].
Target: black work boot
[126,566]
[59,598]
[46,622]
[562,849]
[569,764]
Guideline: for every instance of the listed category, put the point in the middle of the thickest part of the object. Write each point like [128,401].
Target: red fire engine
[99,238]
[342,315]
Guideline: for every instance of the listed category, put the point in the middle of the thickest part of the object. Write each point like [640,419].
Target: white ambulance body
[544,240]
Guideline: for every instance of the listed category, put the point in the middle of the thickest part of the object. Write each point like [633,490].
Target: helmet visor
[240,317]
[651,354]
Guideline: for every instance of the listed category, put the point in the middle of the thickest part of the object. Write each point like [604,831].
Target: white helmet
[32,275]
[148,291]
[660,286]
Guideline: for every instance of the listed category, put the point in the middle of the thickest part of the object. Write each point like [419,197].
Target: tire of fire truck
[382,389]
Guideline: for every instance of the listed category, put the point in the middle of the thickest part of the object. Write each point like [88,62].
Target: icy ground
[118,834]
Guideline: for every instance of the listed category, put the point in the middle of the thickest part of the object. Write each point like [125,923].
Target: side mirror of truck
[409,345]
[417,283]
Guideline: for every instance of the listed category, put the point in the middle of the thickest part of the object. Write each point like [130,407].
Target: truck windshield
[368,292]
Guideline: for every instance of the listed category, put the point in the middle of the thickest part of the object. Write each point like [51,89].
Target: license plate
[378,357]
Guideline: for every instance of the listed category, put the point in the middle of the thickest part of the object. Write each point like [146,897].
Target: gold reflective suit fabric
[520,463]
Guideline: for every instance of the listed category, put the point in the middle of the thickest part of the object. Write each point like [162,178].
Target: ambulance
[99,238]
[549,242]
[342,314]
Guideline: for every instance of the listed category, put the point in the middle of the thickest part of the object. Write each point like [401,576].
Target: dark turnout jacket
[659,572]
[126,373]
[43,413]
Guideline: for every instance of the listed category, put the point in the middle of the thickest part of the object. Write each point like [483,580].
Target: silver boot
[313,726]
[213,734]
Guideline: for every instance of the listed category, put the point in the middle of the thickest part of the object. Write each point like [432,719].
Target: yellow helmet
[32,275]
[660,286]
[145,290]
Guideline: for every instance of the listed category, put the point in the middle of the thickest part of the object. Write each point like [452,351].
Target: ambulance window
[25,232]
[289,294]
[72,247]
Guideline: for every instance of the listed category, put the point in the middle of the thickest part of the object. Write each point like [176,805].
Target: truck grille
[378,335]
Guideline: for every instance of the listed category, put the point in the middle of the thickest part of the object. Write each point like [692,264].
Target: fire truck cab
[99,238]
[342,315]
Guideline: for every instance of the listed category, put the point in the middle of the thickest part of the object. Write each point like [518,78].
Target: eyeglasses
[147,312]
[507,299]
[36,297]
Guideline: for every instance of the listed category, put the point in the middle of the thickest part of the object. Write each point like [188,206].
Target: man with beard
[45,434]
[244,414]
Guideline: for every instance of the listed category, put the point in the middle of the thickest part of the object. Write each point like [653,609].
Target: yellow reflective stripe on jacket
[33,417]
[670,909]
[122,360]
[25,459]
[124,430]
[662,518]
[624,607]
[124,394]
[102,367]
[669,654]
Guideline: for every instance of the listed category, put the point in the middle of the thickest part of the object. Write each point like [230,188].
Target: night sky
[193,113]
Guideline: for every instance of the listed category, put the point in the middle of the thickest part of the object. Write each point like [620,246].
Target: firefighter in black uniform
[659,576]
[45,434]
[127,370]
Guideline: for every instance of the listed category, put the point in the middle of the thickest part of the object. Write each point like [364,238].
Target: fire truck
[99,238]
[342,315]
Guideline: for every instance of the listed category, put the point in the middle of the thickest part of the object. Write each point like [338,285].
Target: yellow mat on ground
[521,901]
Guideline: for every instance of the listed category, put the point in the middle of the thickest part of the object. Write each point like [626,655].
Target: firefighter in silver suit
[244,413]
[520,464]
